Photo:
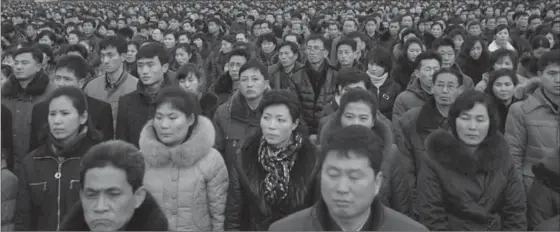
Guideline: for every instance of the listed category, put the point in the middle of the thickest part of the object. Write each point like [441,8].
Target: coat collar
[536,100]
[492,154]
[147,217]
[36,87]
[196,147]
[429,119]
[321,219]
[241,111]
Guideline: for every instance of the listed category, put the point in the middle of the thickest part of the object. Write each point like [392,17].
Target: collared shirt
[110,86]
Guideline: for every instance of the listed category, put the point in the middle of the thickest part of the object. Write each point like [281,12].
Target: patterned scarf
[278,162]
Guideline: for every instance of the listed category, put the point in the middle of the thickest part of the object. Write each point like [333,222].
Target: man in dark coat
[70,71]
[114,166]
[349,205]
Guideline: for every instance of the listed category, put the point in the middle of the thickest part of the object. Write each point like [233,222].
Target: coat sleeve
[540,206]
[394,191]
[431,205]
[235,205]
[516,135]
[398,108]
[122,125]
[35,129]
[217,186]
[514,209]
[107,127]
[481,85]
[23,215]
[220,142]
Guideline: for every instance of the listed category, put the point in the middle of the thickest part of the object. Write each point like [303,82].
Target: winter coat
[402,71]
[234,121]
[6,136]
[414,96]
[467,81]
[267,59]
[247,208]
[9,196]
[215,64]
[43,199]
[317,218]
[99,113]
[527,66]
[189,181]
[543,200]
[20,103]
[464,191]
[279,79]
[473,68]
[411,132]
[147,217]
[533,133]
[222,88]
[135,109]
[481,86]
[387,94]
[209,103]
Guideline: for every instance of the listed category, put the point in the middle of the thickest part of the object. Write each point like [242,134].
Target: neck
[507,102]
[353,224]
[337,98]
[470,148]
[114,76]
[371,34]
[425,88]
[289,68]
[26,82]
[553,97]
[154,88]
[317,66]
[253,103]
[443,110]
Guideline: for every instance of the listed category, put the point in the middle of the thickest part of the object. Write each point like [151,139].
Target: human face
[198,42]
[107,198]
[343,90]
[472,125]
[277,125]
[437,31]
[131,53]
[46,40]
[349,26]
[184,39]
[348,184]
[550,79]
[503,88]
[268,46]
[171,125]
[502,36]
[447,54]
[226,47]
[540,51]
[73,39]
[346,55]
[233,66]
[111,60]
[157,35]
[181,56]
[535,23]
[504,62]
[240,37]
[188,27]
[287,56]
[64,119]
[394,28]
[190,83]
[357,113]
[169,41]
[491,23]
[522,22]
[375,70]
[252,84]
[371,27]
[316,52]
[550,38]
[413,51]
[66,77]
[426,71]
[25,66]
[141,20]
[174,24]
[212,27]
[162,25]
[407,21]
[87,28]
[333,31]
[476,50]
[151,71]
[458,41]
[445,89]
[475,30]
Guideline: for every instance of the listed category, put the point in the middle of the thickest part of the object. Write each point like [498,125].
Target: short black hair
[255,64]
[348,76]
[466,101]
[239,52]
[539,41]
[293,47]
[35,52]
[549,58]
[358,95]
[321,38]
[151,50]
[494,75]
[501,52]
[453,72]
[119,154]
[126,32]
[79,48]
[89,21]
[350,42]
[443,42]
[282,97]
[116,42]
[266,37]
[427,55]
[76,64]
[381,57]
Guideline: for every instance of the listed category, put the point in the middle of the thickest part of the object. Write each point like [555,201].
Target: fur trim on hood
[197,146]
[447,150]
[523,90]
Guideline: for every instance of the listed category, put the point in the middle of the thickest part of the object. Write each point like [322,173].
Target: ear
[190,119]
[377,183]
[81,83]
[83,117]
[165,67]
[295,124]
[123,56]
[139,197]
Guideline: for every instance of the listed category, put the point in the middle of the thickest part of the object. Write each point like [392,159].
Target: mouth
[342,203]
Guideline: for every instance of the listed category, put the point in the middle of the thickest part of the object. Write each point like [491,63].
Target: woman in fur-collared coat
[469,180]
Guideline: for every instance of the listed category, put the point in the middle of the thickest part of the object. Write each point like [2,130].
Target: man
[348,54]
[28,85]
[350,179]
[420,90]
[116,82]
[88,28]
[135,108]
[218,58]
[349,25]
[533,125]
[445,47]
[411,130]
[112,197]
[228,83]
[239,117]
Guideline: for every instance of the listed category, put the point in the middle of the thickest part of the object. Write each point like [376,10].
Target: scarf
[378,81]
[60,148]
[278,162]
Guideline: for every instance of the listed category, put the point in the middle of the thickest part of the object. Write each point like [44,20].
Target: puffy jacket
[9,195]
[465,191]
[189,181]
[414,96]
[533,133]
[279,79]
[387,94]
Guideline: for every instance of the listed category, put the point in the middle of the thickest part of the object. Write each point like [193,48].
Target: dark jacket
[246,207]
[267,59]
[387,94]
[135,109]
[402,71]
[543,201]
[99,113]
[223,88]
[473,68]
[209,104]
[317,218]
[279,79]
[527,66]
[7,141]
[464,191]
[43,200]
[215,65]
[414,96]
[9,197]
[147,217]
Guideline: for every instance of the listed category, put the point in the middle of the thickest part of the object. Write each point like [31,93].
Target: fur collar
[36,87]
[198,145]
[492,154]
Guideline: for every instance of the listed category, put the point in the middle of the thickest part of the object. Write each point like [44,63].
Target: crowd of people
[283,116]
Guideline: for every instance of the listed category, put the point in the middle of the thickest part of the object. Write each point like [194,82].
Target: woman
[191,78]
[469,180]
[386,89]
[157,35]
[169,39]
[405,63]
[199,40]
[273,176]
[501,39]
[474,58]
[50,175]
[501,86]
[184,54]
[267,52]
[527,66]
[130,62]
[500,59]
[186,176]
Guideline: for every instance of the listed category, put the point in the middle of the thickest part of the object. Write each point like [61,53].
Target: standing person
[543,200]
[533,125]
[468,179]
[350,178]
[405,63]
[387,89]
[177,147]
[116,82]
[49,180]
[112,197]
[501,87]
[474,58]
[445,48]
[288,66]
[227,84]
[135,107]
[71,70]
[272,176]
[27,86]
[501,39]
[192,79]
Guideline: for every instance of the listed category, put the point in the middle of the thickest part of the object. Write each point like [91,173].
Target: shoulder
[411,114]
[96,82]
[293,222]
[395,221]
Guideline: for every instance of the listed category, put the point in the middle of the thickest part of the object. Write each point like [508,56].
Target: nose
[101,205]
[472,125]
[143,70]
[57,119]
[343,186]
